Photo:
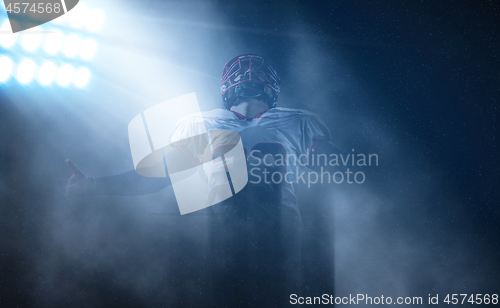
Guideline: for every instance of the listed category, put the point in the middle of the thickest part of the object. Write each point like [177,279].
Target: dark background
[415,82]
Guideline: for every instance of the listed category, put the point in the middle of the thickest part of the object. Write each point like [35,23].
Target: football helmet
[249,75]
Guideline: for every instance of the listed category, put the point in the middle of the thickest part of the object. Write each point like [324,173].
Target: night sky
[416,82]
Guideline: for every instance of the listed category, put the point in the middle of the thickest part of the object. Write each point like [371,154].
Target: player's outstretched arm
[78,184]
[125,184]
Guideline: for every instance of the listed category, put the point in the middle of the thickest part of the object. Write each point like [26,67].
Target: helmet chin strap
[249,90]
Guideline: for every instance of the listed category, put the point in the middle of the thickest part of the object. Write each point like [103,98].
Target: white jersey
[276,144]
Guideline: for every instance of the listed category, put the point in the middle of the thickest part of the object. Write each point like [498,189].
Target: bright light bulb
[88,49]
[47,73]
[7,38]
[72,45]
[53,42]
[26,71]
[5,68]
[65,75]
[82,77]
[32,38]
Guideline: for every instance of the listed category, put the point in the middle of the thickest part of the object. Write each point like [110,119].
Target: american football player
[258,231]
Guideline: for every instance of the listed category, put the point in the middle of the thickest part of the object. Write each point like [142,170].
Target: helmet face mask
[249,75]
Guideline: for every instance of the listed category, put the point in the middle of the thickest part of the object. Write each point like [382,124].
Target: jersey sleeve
[315,132]
[187,127]
[189,142]
[317,129]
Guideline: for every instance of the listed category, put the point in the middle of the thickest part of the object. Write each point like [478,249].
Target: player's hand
[78,183]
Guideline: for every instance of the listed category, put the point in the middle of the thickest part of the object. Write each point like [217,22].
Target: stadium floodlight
[47,73]
[26,71]
[72,45]
[7,38]
[82,77]
[31,39]
[78,15]
[95,20]
[53,42]
[88,49]
[65,75]
[5,68]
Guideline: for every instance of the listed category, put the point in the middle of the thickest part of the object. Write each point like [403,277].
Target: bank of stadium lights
[64,53]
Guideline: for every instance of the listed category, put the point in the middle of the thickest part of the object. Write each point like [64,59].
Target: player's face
[249,106]
[255,73]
